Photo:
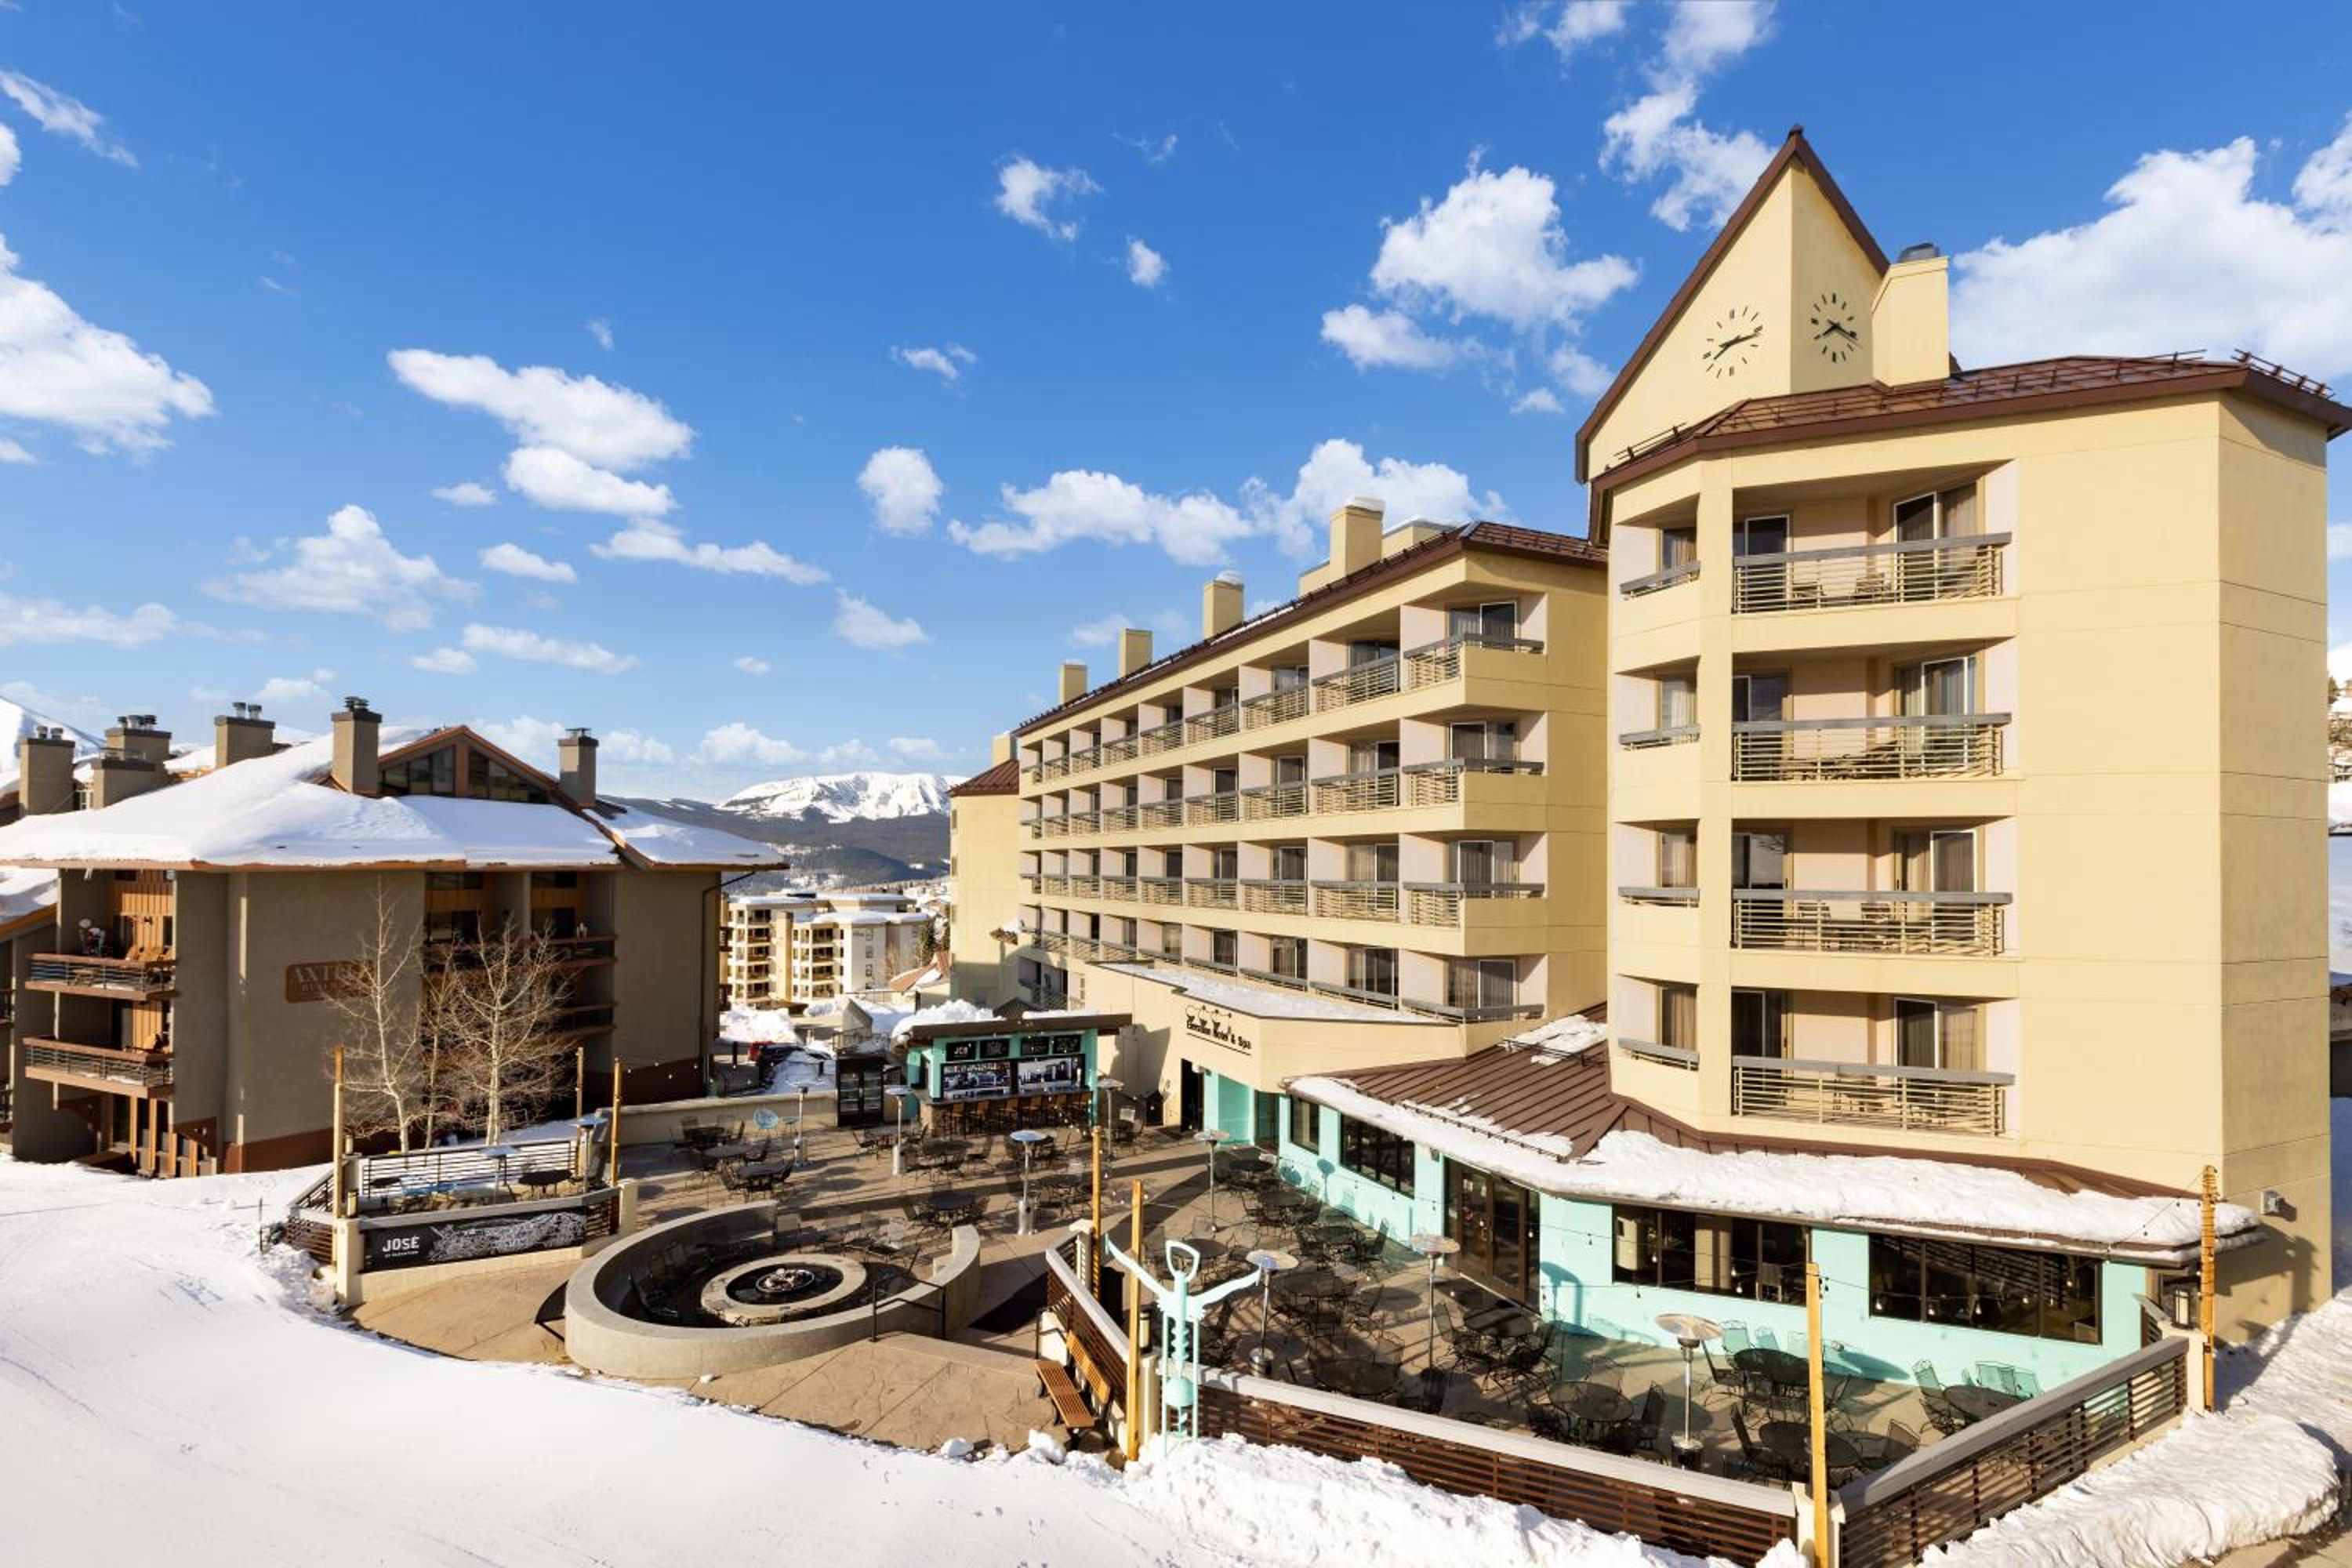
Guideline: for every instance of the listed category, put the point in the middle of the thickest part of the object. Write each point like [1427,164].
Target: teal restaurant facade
[998,1074]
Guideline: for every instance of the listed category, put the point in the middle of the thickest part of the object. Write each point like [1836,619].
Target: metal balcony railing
[1118,818]
[1160,738]
[1357,901]
[1274,977]
[1634,587]
[1119,887]
[1370,998]
[1666,1056]
[123,976]
[1225,719]
[1275,897]
[1911,571]
[1447,903]
[1120,749]
[1277,707]
[1793,919]
[1225,806]
[1477,1012]
[1054,883]
[53,1061]
[1161,814]
[1911,746]
[1375,790]
[1362,682]
[1162,890]
[1213,893]
[1268,803]
[1678,898]
[1666,735]
[1865,1094]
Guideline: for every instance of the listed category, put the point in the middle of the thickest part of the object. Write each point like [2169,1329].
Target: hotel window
[1290,862]
[1369,650]
[1494,623]
[1286,956]
[1938,686]
[1496,741]
[1677,701]
[1224,949]
[1937,860]
[433,772]
[1723,1254]
[1677,1006]
[1373,970]
[1171,942]
[1949,515]
[1290,677]
[1758,698]
[1376,1154]
[1759,1023]
[1290,769]
[1760,536]
[1484,862]
[1481,984]
[1372,757]
[1677,856]
[1760,860]
[1929,1034]
[1305,1123]
[1677,547]
[1372,862]
[2005,1289]
[1224,864]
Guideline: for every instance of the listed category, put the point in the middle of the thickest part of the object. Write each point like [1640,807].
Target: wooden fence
[1092,1323]
[1975,1475]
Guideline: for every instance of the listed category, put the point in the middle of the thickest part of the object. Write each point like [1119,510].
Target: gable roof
[1005,778]
[1795,150]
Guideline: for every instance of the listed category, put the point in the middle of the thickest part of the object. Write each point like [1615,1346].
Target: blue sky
[826,376]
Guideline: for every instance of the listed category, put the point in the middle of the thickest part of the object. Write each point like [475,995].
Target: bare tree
[492,1024]
[378,994]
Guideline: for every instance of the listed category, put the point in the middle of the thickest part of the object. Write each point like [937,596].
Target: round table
[1359,1379]
[1791,1441]
[1975,1402]
[1317,1282]
[1593,1404]
[1778,1368]
[948,1206]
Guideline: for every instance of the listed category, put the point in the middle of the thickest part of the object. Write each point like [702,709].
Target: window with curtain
[1678,1015]
[1932,1034]
[1677,547]
[1677,701]
[1499,621]
[1373,969]
[1492,740]
[1224,949]
[1372,862]
[1290,862]
[1677,856]
[1482,983]
[1286,956]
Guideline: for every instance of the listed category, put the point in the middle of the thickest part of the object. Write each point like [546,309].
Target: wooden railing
[1865,1094]
[1912,572]
[1972,1477]
[1679,1510]
[1927,745]
[1892,920]
[1082,1314]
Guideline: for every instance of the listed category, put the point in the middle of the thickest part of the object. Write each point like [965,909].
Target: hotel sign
[323,982]
[1216,1026]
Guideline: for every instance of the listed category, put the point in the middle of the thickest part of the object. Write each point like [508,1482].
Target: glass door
[1759,1023]
[1496,1223]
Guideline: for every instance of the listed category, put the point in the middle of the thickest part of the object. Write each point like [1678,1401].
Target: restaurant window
[1306,1123]
[1722,1255]
[1265,1118]
[1376,1154]
[2004,1290]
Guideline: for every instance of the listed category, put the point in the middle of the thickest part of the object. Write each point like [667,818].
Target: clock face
[1732,341]
[1833,325]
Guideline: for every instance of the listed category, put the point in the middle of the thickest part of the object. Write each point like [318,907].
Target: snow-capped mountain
[16,721]
[844,797]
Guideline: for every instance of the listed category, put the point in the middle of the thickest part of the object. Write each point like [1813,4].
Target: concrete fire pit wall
[600,1336]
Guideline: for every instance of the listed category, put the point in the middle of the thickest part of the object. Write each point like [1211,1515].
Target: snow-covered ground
[165,1397]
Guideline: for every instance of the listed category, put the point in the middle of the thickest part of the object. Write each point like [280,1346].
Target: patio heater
[800,1126]
[1436,1248]
[1028,1138]
[1268,1263]
[1690,1333]
[1210,1138]
[1107,1090]
[899,1094]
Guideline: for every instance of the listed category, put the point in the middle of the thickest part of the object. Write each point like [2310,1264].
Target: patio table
[1974,1402]
[719,1153]
[1779,1368]
[538,1181]
[1791,1442]
[949,1208]
[1321,1283]
[1358,1379]
[1590,1407]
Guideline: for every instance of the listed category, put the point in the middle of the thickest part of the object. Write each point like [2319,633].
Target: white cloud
[947,361]
[1027,191]
[1493,247]
[1660,133]
[533,740]
[50,620]
[752,664]
[14,452]
[648,538]
[351,569]
[918,747]
[1539,401]
[1082,504]
[58,369]
[515,562]
[1573,24]
[1101,632]
[2185,257]
[602,331]
[12,157]
[1579,372]
[610,427]
[903,489]
[65,115]
[1156,149]
[2339,662]
[2339,541]
[555,478]
[862,623]
[284,691]
[1370,340]
[1337,470]
[466,492]
[739,743]
[1145,266]
[514,642]
[445,661]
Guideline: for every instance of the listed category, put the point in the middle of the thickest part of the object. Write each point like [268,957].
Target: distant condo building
[801,949]
[173,931]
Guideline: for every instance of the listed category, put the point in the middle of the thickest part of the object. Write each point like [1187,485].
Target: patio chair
[1527,1359]
[1756,1460]
[1365,1246]
[1426,1392]
[1549,1424]
[1639,1432]
[1901,1443]
[1940,1414]
[2027,1386]
[1735,1338]
[1997,1375]
[1764,1340]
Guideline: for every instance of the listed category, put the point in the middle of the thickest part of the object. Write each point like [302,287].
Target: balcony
[1477,1012]
[1667,897]
[1377,789]
[1635,587]
[1357,901]
[1921,746]
[1865,1094]
[1161,889]
[1448,903]
[1680,1056]
[144,1074]
[1215,724]
[1919,570]
[1884,922]
[1431,663]
[137,978]
[1275,897]
[1666,735]
[1213,893]
[1278,707]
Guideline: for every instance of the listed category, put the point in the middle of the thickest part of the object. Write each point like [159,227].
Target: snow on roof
[1860,1191]
[660,841]
[22,892]
[279,811]
[1263,1001]
[958,1011]
[757,1026]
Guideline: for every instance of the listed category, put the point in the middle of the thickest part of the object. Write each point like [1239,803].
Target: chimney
[1910,320]
[1221,606]
[1355,536]
[1134,649]
[356,728]
[576,757]
[120,775]
[1073,680]
[135,735]
[241,734]
[45,772]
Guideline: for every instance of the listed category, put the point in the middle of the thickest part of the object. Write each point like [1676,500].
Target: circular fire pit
[779,1289]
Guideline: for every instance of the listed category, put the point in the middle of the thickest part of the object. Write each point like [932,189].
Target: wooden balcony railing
[1864,1094]
[1962,924]
[1117,818]
[108,976]
[1634,587]
[144,1073]
[1928,745]
[1911,571]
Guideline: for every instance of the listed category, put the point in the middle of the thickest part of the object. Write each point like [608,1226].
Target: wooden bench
[1068,1401]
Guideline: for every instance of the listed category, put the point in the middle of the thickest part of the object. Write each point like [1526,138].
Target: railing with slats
[1224,719]
[1663,735]
[1447,903]
[1911,571]
[1357,901]
[1867,1094]
[1675,897]
[1277,707]
[1275,897]
[1267,803]
[1162,890]
[1893,922]
[1373,790]
[1634,587]
[47,1058]
[1213,893]
[74,972]
[1908,746]
[1666,1055]
[1204,810]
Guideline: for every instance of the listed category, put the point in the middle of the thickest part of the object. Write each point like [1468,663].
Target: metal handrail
[1913,570]
[1477,1012]
[1666,735]
[1866,721]
[1387,999]
[1900,547]
[1650,1050]
[1634,587]
[1867,895]
[1680,897]
[1879,1069]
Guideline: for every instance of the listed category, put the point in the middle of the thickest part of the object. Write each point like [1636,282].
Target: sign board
[1216,1026]
[322,981]
[457,1240]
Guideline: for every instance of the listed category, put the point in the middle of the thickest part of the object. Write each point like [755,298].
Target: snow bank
[22,892]
[757,1026]
[252,1429]
[957,1011]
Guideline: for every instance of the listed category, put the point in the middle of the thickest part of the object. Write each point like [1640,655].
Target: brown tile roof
[1528,1091]
[1005,778]
[1498,537]
[2071,381]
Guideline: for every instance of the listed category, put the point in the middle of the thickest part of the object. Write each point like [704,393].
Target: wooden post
[1094,1237]
[579,1083]
[335,1173]
[1131,1445]
[2205,1278]
[1824,1549]
[612,1129]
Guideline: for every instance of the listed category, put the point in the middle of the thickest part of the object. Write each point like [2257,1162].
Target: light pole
[1212,1137]
[800,1125]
